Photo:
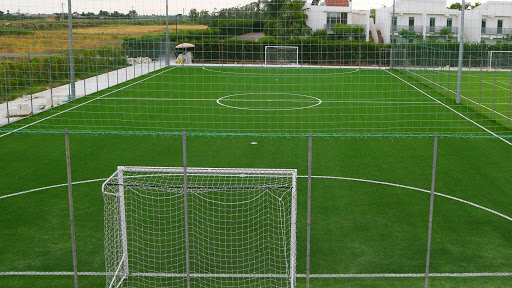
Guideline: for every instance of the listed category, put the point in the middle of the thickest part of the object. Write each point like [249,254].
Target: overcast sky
[150,6]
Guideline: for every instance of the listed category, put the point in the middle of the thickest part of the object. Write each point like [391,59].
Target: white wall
[317,15]
[492,11]
[421,10]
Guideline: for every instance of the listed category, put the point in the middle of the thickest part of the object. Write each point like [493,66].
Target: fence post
[51,79]
[509,102]
[431,213]
[71,212]
[167,40]
[6,92]
[71,54]
[461,51]
[30,84]
[308,241]
[393,15]
[185,195]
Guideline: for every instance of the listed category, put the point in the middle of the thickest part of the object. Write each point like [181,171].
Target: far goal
[282,55]
[200,227]
[500,60]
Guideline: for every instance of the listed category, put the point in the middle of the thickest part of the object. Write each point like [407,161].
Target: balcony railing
[437,29]
[417,29]
[430,29]
[496,31]
[329,26]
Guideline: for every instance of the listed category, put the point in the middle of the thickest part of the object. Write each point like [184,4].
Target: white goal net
[200,227]
[282,55]
[500,59]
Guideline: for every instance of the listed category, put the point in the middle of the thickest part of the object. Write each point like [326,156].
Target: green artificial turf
[357,227]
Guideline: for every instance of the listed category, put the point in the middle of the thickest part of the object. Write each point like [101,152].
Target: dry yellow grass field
[45,41]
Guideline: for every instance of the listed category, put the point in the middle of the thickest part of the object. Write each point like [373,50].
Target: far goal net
[500,60]
[200,227]
[282,55]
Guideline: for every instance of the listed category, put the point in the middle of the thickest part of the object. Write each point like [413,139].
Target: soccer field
[370,195]
[239,100]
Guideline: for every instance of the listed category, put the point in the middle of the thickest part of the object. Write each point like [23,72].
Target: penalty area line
[450,108]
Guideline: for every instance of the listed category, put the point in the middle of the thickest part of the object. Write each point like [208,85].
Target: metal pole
[509,103]
[51,81]
[431,214]
[30,84]
[167,40]
[308,245]
[71,213]
[461,51]
[493,97]
[97,71]
[392,36]
[71,54]
[84,73]
[185,195]
[6,91]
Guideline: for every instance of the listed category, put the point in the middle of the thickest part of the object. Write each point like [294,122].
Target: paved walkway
[42,101]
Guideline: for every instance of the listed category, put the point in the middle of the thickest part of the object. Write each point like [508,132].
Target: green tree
[103,13]
[132,13]
[456,5]
[203,16]
[193,14]
[290,20]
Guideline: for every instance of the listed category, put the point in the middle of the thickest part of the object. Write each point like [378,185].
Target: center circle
[269,101]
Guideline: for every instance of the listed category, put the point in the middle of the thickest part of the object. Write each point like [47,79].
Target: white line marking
[272,75]
[316,101]
[323,101]
[49,187]
[320,177]
[417,189]
[74,107]
[468,99]
[453,110]
[376,275]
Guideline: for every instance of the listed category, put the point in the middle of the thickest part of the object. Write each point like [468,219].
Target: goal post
[282,56]
[241,227]
[500,60]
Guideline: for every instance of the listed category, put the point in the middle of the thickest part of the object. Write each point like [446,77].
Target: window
[334,18]
[449,23]
[394,21]
[500,26]
[432,24]
[411,23]
[484,24]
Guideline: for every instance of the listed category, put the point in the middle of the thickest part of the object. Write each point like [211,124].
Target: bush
[320,33]
[347,29]
[236,27]
[15,31]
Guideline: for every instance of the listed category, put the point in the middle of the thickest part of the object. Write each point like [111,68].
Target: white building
[425,17]
[490,22]
[326,14]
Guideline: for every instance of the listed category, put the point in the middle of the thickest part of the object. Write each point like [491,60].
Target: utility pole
[461,51]
[393,29]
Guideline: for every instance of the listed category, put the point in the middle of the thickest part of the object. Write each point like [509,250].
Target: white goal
[282,55]
[500,60]
[200,227]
